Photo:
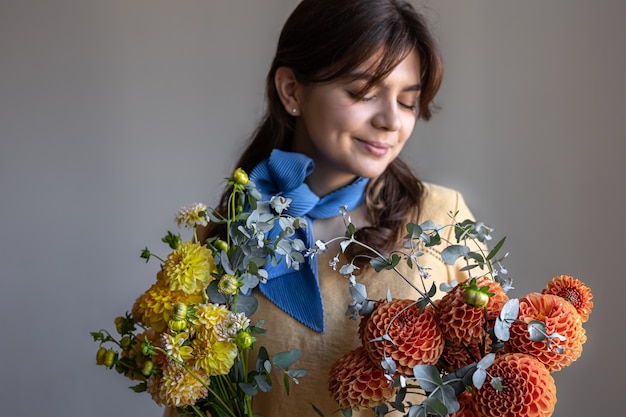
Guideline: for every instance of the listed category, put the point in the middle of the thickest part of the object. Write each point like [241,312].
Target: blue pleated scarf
[283,173]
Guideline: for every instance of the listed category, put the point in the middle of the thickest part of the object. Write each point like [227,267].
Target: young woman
[349,80]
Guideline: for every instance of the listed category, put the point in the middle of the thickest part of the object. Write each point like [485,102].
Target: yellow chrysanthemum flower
[177,387]
[154,307]
[208,317]
[188,268]
[174,345]
[214,356]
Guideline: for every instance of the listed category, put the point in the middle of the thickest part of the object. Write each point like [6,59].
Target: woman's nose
[387,117]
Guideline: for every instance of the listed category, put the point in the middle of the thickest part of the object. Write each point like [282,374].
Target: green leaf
[428,377]
[318,411]
[263,383]
[414,231]
[395,260]
[346,413]
[453,252]
[379,263]
[248,389]
[496,248]
[284,360]
[247,304]
[141,387]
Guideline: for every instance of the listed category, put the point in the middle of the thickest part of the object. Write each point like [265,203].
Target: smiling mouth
[375,149]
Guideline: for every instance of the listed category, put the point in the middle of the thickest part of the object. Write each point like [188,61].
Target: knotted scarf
[297,292]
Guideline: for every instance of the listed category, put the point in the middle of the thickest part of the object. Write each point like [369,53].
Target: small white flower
[280,203]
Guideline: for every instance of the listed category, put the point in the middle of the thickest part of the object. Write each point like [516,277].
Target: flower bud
[220,245]
[177,325]
[228,284]
[240,176]
[179,311]
[100,355]
[244,340]
[125,342]
[148,366]
[109,358]
[475,298]
[119,324]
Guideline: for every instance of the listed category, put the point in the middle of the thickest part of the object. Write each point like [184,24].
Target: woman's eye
[411,106]
[355,96]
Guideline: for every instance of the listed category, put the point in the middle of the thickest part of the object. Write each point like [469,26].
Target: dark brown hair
[325,40]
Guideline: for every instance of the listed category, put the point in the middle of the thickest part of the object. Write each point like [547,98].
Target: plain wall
[113,114]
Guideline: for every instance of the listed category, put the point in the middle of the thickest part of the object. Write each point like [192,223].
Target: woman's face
[349,137]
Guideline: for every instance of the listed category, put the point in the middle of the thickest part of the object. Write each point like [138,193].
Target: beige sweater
[320,351]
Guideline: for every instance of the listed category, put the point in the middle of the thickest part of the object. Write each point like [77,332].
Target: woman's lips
[375,148]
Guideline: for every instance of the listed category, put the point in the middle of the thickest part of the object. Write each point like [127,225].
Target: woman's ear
[288,89]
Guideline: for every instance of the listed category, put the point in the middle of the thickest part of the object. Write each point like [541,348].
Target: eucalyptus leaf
[346,412]
[496,248]
[453,252]
[263,383]
[479,377]
[284,360]
[247,304]
[248,389]
[358,292]
[447,404]
[427,376]
[214,295]
[379,263]
[537,331]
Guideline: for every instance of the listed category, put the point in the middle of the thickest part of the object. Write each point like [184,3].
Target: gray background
[115,113]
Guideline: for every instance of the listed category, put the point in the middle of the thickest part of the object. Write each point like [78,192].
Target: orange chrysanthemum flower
[466,401]
[528,389]
[461,323]
[416,336]
[497,301]
[154,307]
[574,291]
[458,356]
[355,382]
[559,316]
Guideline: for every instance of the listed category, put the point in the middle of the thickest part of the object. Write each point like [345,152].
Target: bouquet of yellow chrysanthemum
[188,337]
[433,357]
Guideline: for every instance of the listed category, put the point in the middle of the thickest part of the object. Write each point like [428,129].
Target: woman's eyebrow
[364,76]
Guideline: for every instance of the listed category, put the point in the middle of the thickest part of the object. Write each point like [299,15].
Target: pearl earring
[294,110]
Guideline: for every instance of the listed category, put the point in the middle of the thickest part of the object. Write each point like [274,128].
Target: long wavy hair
[325,40]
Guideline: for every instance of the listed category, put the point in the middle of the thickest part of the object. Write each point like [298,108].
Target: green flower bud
[220,245]
[147,349]
[244,340]
[177,325]
[119,324]
[100,355]
[148,366]
[240,176]
[228,284]
[125,342]
[109,358]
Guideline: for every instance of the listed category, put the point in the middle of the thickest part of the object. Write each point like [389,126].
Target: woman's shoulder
[440,202]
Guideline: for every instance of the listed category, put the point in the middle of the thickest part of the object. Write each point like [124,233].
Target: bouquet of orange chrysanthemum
[427,357]
[188,337]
